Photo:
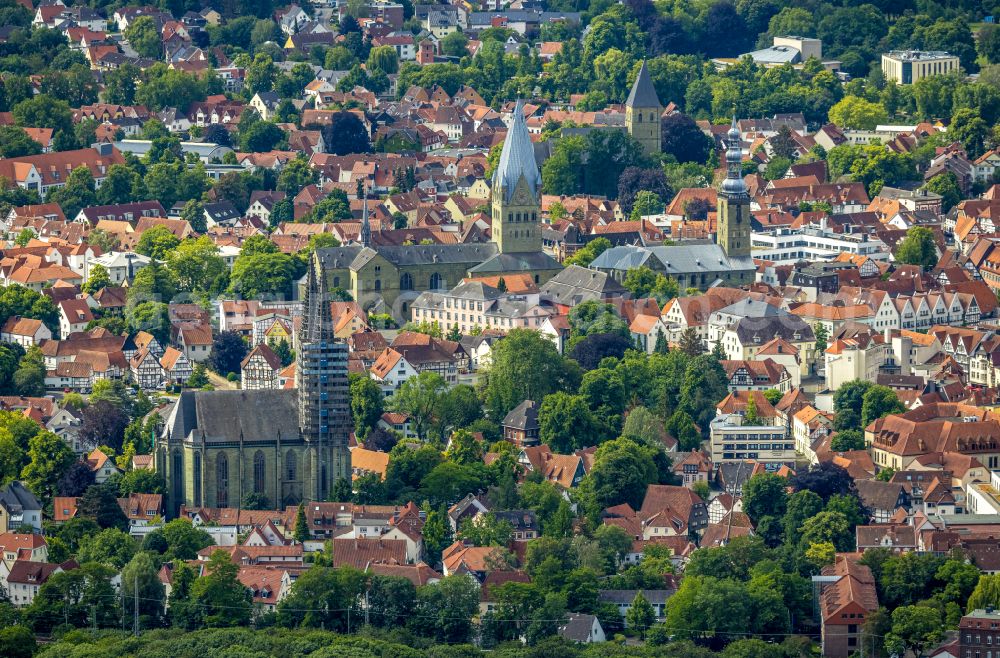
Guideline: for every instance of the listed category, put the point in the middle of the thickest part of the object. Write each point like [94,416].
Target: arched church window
[177,473]
[222,480]
[406,281]
[436,281]
[534,216]
[638,117]
[291,466]
[197,479]
[258,472]
[378,285]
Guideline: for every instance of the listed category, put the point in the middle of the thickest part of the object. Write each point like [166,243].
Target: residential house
[259,369]
[24,331]
[19,507]
[520,425]
[102,466]
[176,366]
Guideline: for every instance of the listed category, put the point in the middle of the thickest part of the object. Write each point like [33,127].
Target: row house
[898,441]
[124,212]
[48,171]
[964,345]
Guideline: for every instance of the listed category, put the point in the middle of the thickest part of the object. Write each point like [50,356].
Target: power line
[412,615]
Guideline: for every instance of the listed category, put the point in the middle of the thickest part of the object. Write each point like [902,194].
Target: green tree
[301,532]
[110,547]
[485,530]
[261,74]
[847,440]
[223,600]
[879,401]
[525,366]
[367,404]
[383,58]
[565,422]
[97,279]
[621,473]
[914,627]
[197,265]
[76,194]
[271,274]
[464,448]
[100,503]
[420,398]
[640,615]
[15,143]
[17,642]
[764,495]
[445,609]
[830,527]
[181,540]
[985,594]
[141,582]
[437,535]
[857,113]
[917,248]
[295,175]
[157,242]
[945,184]
[48,460]
[143,36]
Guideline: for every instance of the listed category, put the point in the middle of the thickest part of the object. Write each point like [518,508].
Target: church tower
[516,192]
[366,227]
[733,233]
[323,394]
[642,112]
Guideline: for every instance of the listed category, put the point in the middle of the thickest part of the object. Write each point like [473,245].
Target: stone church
[217,447]
[394,275]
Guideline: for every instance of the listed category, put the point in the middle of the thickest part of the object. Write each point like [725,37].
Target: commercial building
[906,67]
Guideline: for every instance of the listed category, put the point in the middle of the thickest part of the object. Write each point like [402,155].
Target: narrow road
[221,383]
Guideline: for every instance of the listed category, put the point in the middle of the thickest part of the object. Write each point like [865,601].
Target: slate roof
[576,284]
[16,498]
[222,415]
[877,495]
[643,93]
[523,262]
[523,417]
[675,259]
[517,158]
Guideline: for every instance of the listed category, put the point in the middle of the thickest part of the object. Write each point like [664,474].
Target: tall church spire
[517,158]
[323,396]
[366,228]
[516,192]
[317,323]
[642,112]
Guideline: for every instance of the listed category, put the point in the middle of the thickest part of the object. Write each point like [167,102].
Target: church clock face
[521,196]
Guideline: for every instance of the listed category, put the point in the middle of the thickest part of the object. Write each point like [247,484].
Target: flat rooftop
[919,55]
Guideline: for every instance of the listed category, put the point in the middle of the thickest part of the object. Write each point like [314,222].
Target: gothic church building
[218,447]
